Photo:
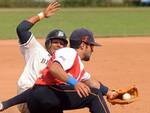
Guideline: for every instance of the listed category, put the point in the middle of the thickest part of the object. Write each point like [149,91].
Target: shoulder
[32,43]
[66,57]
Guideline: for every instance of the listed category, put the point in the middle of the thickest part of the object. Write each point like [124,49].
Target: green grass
[102,21]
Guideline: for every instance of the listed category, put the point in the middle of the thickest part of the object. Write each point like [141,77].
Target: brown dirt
[120,62]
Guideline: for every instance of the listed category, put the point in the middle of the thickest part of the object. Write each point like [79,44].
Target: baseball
[126,96]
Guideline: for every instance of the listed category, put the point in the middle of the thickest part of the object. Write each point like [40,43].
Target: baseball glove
[119,99]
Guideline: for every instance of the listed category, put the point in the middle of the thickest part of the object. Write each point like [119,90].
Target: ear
[82,45]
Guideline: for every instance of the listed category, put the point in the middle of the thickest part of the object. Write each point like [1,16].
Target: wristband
[41,15]
[72,81]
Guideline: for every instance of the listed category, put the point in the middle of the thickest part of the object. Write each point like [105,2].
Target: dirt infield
[120,62]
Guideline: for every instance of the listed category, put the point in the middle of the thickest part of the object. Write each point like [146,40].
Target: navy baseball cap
[83,35]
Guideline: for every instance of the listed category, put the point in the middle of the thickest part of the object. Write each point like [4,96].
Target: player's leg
[97,104]
[18,99]
[70,99]
[43,100]
[64,97]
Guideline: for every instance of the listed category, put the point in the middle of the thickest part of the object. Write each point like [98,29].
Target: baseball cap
[83,35]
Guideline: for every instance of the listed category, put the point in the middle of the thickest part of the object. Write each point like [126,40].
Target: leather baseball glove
[119,99]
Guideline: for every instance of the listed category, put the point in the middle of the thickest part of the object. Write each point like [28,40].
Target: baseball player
[65,84]
[82,91]
[36,57]
[22,97]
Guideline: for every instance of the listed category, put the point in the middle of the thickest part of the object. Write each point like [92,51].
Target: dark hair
[75,43]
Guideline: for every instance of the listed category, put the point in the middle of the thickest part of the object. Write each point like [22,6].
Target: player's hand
[82,89]
[111,94]
[51,9]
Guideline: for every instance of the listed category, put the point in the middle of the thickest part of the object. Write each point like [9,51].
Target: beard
[87,57]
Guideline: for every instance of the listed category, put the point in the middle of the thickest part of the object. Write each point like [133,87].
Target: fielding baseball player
[36,57]
[76,70]
[65,84]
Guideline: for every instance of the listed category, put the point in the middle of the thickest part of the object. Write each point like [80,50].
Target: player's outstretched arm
[24,27]
[47,12]
[104,89]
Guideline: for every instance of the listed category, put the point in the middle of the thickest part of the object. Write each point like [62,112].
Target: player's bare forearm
[92,83]
[104,89]
[58,72]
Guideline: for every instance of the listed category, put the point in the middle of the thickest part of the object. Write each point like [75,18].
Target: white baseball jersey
[70,62]
[36,59]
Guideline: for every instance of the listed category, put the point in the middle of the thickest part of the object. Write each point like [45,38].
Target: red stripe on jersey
[81,75]
[75,69]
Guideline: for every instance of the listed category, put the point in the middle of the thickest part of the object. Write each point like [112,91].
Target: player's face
[88,51]
[56,44]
